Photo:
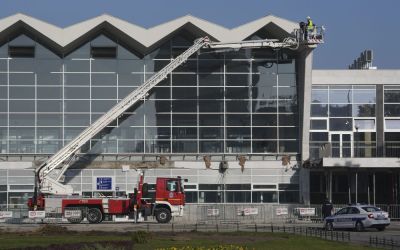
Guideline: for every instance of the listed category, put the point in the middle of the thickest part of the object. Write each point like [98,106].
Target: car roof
[361,206]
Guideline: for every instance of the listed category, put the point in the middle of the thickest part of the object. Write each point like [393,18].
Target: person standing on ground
[327,208]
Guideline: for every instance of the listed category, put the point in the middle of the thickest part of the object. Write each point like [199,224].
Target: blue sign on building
[104,183]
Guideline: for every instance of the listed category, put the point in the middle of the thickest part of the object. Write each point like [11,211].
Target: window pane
[211,147]
[211,133]
[49,92]
[340,124]
[340,96]
[364,124]
[237,93]
[22,106]
[49,106]
[104,79]
[340,110]
[211,93]
[264,119]
[364,110]
[319,96]
[318,124]
[392,124]
[238,186]
[288,196]
[22,120]
[238,106]
[104,93]
[392,96]
[264,133]
[238,146]
[76,106]
[184,133]
[319,110]
[237,120]
[265,146]
[184,147]
[392,109]
[364,96]
[210,197]
[22,78]
[22,92]
[265,196]
[238,197]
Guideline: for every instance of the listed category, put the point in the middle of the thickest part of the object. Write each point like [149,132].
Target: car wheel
[329,226]
[94,215]
[359,226]
[381,228]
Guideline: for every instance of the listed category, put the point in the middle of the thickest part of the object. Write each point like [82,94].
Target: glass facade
[391,99]
[343,121]
[219,103]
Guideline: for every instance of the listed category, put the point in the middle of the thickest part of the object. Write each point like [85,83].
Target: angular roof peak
[146,37]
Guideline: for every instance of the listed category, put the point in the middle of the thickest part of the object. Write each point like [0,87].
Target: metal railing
[216,214]
[382,242]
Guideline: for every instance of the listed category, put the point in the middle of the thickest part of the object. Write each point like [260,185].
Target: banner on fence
[73,213]
[306,211]
[247,211]
[6,214]
[281,211]
[212,212]
[37,214]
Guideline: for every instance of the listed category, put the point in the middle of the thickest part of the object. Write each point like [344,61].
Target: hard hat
[308,17]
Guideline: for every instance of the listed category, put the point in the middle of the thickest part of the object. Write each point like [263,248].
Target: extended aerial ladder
[50,174]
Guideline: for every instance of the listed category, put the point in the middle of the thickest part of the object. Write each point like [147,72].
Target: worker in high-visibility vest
[309,27]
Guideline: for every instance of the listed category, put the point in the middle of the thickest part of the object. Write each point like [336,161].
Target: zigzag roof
[139,38]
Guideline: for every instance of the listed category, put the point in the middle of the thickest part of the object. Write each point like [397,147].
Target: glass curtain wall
[231,102]
[392,120]
[343,121]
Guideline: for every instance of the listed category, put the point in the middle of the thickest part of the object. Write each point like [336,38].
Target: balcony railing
[364,149]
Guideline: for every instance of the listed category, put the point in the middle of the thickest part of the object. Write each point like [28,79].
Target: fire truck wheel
[163,215]
[94,215]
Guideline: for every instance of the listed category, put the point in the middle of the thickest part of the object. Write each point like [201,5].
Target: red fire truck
[165,201]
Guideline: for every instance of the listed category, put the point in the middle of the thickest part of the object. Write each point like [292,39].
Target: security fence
[203,214]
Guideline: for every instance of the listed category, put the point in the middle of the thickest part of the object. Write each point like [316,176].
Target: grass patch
[56,237]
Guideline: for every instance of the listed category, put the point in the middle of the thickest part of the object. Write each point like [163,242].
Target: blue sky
[352,25]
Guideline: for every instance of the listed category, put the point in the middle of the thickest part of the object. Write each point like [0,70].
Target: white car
[358,217]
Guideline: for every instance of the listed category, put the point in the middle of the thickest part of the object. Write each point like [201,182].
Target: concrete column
[304,81]
[380,138]
[374,186]
[356,187]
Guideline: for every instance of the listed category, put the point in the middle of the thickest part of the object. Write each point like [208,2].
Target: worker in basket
[309,29]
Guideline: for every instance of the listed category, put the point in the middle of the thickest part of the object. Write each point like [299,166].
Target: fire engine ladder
[51,173]
[51,184]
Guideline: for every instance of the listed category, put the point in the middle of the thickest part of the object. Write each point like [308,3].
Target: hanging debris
[223,166]
[207,161]
[163,160]
[242,160]
[285,160]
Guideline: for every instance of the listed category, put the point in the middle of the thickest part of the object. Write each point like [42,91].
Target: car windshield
[371,209]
